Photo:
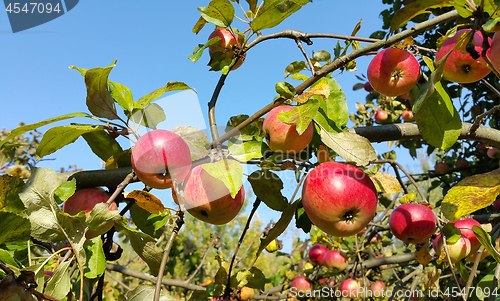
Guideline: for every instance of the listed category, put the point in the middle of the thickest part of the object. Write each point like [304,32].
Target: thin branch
[118,281]
[375,262]
[211,107]
[212,241]
[480,118]
[301,47]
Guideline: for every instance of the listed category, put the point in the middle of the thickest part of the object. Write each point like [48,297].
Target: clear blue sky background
[151,40]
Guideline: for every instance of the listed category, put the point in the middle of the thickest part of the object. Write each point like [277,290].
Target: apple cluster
[334,260]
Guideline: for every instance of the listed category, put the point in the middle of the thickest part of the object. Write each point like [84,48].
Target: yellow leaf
[422,254]
[386,183]
[409,197]
[322,88]
[405,43]
[471,194]
[147,201]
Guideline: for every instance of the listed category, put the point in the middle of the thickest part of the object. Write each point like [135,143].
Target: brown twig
[301,47]
[212,241]
[211,107]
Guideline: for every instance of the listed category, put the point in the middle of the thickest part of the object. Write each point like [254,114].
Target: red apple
[226,47]
[476,110]
[159,157]
[493,152]
[379,287]
[349,288]
[208,199]
[335,260]
[283,137]
[462,67]
[412,223]
[495,51]
[405,96]
[316,254]
[330,282]
[408,116]
[481,147]
[457,251]
[462,162]
[339,198]
[496,204]
[381,116]
[85,200]
[368,87]
[441,168]
[393,72]
[300,286]
[465,226]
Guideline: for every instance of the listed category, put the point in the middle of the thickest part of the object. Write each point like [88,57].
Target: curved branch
[386,260]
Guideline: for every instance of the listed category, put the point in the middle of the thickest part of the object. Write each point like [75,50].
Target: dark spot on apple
[466,69]
[349,216]
[204,213]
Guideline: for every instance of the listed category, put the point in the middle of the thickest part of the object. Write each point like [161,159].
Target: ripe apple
[462,67]
[378,286]
[246,293]
[85,200]
[368,87]
[495,51]
[412,223]
[339,198]
[481,147]
[393,72]
[405,96]
[462,162]
[300,284]
[328,281]
[226,47]
[316,254]
[457,251]
[408,116]
[349,288]
[283,137]
[335,260]
[493,152]
[441,168]
[159,157]
[496,203]
[381,116]
[208,199]
[465,226]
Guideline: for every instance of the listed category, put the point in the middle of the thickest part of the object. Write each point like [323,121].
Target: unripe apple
[393,72]
[381,116]
[226,47]
[300,284]
[339,198]
[378,286]
[316,254]
[462,67]
[412,223]
[208,199]
[441,168]
[283,137]
[159,157]
[349,288]
[465,227]
[335,260]
[85,200]
[462,162]
[493,152]
[368,87]
[408,116]
[495,51]
[457,251]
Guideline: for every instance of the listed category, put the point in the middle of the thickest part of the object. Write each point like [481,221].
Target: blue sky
[151,41]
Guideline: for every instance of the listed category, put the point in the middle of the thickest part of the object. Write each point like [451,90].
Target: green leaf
[462,270]
[218,12]
[96,260]
[141,219]
[451,233]
[247,150]
[349,146]
[484,289]
[485,240]
[252,4]
[285,90]
[273,12]
[295,68]
[15,227]
[321,56]
[267,187]
[199,25]
[149,116]
[230,172]
[333,113]
[10,187]
[249,132]
[146,292]
[60,283]
[65,191]
[26,128]
[170,86]
[416,8]
[257,279]
[302,221]
[100,216]
[122,95]
[301,115]
[102,144]
[279,227]
[196,139]
[7,258]
[198,50]
[57,137]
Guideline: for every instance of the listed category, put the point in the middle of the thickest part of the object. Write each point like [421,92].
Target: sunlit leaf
[295,67]
[96,260]
[60,283]
[321,88]
[273,12]
[422,254]
[300,116]
[247,150]
[230,172]
[170,86]
[197,141]
[102,144]
[122,95]
[218,12]
[146,292]
[285,90]
[147,201]
[416,8]
[485,240]
[386,183]
[350,146]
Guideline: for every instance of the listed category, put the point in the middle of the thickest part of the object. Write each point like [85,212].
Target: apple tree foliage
[44,252]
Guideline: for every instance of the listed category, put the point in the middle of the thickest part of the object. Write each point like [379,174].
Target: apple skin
[441,168]
[457,251]
[412,223]
[339,198]
[493,152]
[465,226]
[378,286]
[393,72]
[159,157]
[335,260]
[85,200]
[349,288]
[368,87]
[405,96]
[227,42]
[480,147]
[408,116]
[381,116]
[476,110]
[495,51]
[462,162]
[283,137]
[208,199]
[496,204]
[300,284]
[462,67]
[472,255]
[316,254]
